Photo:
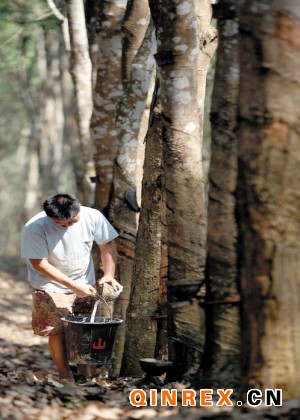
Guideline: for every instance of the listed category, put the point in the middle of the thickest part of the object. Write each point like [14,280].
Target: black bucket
[90,342]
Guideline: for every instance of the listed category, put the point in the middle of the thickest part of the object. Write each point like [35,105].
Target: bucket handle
[103,300]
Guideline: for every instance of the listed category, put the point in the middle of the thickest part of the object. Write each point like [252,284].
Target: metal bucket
[90,342]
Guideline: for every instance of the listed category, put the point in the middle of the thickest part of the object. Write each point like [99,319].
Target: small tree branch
[64,23]
[55,10]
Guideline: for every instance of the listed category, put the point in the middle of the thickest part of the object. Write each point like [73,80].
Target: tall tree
[268,194]
[208,44]
[178,48]
[107,94]
[76,138]
[134,26]
[32,159]
[81,71]
[91,14]
[222,361]
[123,206]
[208,35]
[51,143]
[141,337]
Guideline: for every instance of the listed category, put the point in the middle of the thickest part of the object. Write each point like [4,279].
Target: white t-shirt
[66,248]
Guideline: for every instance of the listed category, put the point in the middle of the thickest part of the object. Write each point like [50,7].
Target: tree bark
[71,158]
[128,121]
[268,194]
[72,149]
[222,361]
[51,156]
[143,304]
[91,13]
[123,207]
[107,94]
[134,27]
[208,44]
[178,48]
[32,184]
[81,71]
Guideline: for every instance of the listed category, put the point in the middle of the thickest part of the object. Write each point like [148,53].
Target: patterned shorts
[49,307]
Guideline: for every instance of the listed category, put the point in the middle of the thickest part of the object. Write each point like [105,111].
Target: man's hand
[84,290]
[109,256]
[113,282]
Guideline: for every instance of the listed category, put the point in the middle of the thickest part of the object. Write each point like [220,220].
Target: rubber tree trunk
[91,13]
[268,194]
[31,140]
[123,207]
[222,361]
[51,148]
[143,304]
[208,44]
[72,149]
[134,26]
[178,49]
[64,145]
[107,94]
[81,71]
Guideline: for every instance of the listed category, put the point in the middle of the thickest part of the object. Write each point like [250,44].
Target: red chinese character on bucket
[99,346]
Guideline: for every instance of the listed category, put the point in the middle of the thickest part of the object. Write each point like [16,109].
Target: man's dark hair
[61,206]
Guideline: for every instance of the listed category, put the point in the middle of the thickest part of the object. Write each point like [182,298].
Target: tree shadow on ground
[29,387]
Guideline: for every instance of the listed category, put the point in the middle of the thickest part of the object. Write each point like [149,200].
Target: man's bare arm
[48,270]
[109,256]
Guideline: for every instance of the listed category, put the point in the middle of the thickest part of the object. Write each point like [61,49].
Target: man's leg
[58,351]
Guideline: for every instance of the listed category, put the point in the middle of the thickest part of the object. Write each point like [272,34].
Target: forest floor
[29,387]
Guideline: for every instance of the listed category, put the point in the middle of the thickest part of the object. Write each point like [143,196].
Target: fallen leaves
[30,388]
